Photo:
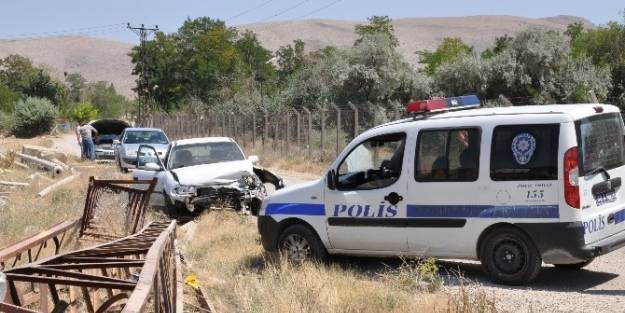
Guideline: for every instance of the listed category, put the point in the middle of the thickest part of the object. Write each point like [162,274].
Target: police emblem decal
[523,147]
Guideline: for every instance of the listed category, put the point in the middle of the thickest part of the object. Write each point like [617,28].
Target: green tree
[605,46]
[574,30]
[377,25]
[290,58]
[8,98]
[501,44]
[84,112]
[33,116]
[21,76]
[447,51]
[77,84]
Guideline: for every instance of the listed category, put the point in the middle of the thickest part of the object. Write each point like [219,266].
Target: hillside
[103,59]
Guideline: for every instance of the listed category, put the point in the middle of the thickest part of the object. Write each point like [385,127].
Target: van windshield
[600,141]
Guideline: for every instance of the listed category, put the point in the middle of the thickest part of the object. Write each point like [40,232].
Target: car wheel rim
[296,247]
[509,257]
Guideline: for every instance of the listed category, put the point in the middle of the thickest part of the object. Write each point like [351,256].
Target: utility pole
[143,33]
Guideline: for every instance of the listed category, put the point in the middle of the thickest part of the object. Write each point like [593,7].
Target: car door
[144,173]
[443,191]
[365,209]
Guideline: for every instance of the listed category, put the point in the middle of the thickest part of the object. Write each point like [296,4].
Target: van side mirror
[331,179]
[116,142]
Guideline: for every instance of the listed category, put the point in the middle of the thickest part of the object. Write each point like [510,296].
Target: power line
[85,30]
[319,9]
[283,11]
[249,10]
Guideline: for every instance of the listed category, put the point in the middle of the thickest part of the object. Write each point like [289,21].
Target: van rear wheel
[574,266]
[300,243]
[509,257]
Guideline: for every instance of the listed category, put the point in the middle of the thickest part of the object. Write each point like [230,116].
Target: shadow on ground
[465,272]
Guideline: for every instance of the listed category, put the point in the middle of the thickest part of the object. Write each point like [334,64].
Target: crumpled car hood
[215,173]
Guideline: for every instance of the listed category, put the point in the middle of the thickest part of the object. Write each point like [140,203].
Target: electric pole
[143,33]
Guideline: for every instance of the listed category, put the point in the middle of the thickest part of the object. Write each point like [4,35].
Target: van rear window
[600,140]
[524,152]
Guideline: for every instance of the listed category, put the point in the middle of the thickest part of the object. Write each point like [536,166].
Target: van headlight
[185,190]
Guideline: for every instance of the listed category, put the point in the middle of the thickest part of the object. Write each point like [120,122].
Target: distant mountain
[414,34]
[95,58]
[103,59]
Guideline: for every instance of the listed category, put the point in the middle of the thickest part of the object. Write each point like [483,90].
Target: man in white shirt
[84,136]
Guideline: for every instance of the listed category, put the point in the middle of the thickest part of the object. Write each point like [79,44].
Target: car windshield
[145,136]
[204,153]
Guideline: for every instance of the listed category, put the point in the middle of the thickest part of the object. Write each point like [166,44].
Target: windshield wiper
[600,169]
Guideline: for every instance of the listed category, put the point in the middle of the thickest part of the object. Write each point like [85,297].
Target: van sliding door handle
[393,198]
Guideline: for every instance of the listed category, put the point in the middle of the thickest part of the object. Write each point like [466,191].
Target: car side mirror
[116,142]
[253,158]
[331,179]
[151,166]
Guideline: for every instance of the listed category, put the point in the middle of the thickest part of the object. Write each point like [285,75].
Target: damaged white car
[200,173]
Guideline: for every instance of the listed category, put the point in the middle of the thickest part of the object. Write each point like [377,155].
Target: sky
[107,18]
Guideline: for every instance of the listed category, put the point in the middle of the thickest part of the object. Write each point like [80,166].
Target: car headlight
[185,190]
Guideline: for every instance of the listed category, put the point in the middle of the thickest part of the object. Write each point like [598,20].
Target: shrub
[33,116]
[6,121]
[84,112]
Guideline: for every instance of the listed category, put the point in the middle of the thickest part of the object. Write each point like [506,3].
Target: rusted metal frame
[43,270]
[138,299]
[35,240]
[135,209]
[10,308]
[111,301]
[70,278]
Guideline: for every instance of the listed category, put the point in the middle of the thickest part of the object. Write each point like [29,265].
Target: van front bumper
[563,243]
[269,230]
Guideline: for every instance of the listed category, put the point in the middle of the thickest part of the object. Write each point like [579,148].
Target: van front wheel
[300,243]
[509,257]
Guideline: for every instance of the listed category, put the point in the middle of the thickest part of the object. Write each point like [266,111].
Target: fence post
[355,109]
[297,127]
[254,130]
[265,128]
[338,127]
[308,143]
[322,112]
[287,135]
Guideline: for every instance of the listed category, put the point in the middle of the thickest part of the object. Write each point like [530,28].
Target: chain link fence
[318,132]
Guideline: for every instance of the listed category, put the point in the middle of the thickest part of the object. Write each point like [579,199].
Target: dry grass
[296,161]
[26,214]
[227,257]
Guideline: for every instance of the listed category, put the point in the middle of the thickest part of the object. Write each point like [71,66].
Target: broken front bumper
[244,194]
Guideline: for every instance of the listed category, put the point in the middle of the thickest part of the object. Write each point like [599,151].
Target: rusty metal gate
[137,273]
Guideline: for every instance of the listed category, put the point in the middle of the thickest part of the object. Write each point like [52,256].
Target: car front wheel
[509,256]
[300,243]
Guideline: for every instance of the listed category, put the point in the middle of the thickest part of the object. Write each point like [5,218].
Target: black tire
[171,209]
[300,243]
[574,266]
[510,257]
[122,169]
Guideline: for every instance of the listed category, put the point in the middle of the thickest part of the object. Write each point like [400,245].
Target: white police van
[512,187]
